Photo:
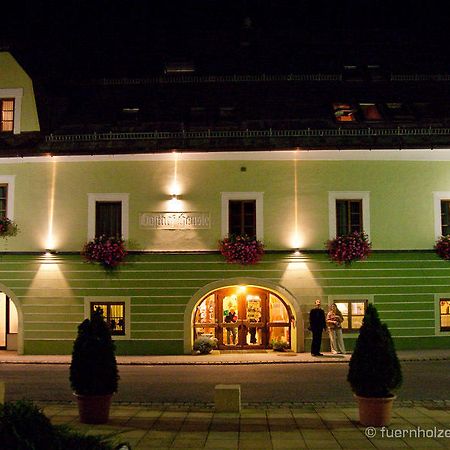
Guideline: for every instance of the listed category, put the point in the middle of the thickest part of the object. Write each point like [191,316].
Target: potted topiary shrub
[93,372]
[204,345]
[374,371]
[279,345]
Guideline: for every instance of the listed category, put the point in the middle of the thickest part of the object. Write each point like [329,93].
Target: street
[422,380]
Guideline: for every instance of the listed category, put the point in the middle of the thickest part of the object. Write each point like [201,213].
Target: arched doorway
[9,323]
[244,317]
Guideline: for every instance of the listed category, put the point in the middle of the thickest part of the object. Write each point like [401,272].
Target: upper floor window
[242,213]
[6,115]
[242,217]
[353,312]
[445,217]
[370,112]
[108,215]
[3,200]
[344,112]
[348,216]
[108,219]
[444,314]
[349,212]
[441,214]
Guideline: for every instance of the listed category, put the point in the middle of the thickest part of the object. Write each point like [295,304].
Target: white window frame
[364,196]
[353,297]
[105,299]
[10,180]
[257,196]
[437,197]
[108,197]
[17,95]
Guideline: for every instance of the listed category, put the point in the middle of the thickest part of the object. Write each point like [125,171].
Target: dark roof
[358,108]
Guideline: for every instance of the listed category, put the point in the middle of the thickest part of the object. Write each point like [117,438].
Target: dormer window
[344,112]
[370,111]
[6,115]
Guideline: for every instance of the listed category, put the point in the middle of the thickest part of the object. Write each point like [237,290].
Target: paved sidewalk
[224,358]
[328,426]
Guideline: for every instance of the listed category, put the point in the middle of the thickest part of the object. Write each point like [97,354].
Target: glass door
[242,318]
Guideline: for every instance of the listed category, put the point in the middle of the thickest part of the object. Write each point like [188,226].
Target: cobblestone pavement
[415,425]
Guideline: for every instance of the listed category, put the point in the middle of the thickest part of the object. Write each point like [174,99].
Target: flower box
[241,249]
[349,248]
[108,251]
[442,247]
[8,227]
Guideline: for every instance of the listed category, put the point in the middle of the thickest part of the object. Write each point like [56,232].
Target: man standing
[317,324]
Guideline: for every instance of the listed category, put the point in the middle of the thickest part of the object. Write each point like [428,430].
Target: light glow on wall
[296,240]
[50,243]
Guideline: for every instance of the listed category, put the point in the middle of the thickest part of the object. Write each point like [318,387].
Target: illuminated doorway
[243,317]
[8,323]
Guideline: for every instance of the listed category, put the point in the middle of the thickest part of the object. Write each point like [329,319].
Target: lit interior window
[344,112]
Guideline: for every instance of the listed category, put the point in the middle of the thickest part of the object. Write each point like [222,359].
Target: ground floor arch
[11,336]
[244,314]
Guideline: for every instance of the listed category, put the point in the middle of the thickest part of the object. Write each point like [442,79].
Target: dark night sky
[136,37]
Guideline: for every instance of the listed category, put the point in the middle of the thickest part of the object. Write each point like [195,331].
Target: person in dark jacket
[317,324]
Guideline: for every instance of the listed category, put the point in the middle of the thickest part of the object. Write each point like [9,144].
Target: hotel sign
[186,220]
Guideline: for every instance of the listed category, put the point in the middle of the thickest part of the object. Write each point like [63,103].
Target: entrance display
[243,317]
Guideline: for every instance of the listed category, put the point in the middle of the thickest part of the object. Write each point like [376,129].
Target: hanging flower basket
[349,248]
[241,249]
[8,228]
[442,247]
[109,252]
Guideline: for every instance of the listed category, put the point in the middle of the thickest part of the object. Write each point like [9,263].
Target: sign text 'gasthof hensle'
[186,220]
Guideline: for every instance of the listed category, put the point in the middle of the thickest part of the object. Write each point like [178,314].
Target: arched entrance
[244,315]
[10,321]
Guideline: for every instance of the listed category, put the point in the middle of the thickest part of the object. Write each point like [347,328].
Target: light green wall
[12,76]
[49,293]
[401,199]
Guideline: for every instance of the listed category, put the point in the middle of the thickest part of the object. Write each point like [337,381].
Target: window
[353,312]
[344,112]
[445,217]
[108,219]
[441,214]
[242,217]
[116,311]
[3,200]
[7,115]
[108,215]
[242,213]
[370,112]
[11,110]
[348,212]
[444,314]
[114,314]
[348,217]
[400,112]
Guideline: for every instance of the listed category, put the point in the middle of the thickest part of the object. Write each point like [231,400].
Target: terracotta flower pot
[375,412]
[94,408]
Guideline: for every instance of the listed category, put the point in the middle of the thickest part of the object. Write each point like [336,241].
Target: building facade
[172,208]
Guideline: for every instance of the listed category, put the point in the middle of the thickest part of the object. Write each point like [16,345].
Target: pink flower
[348,248]
[109,252]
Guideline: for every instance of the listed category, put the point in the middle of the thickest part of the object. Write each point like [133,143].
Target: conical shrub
[374,369]
[93,370]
